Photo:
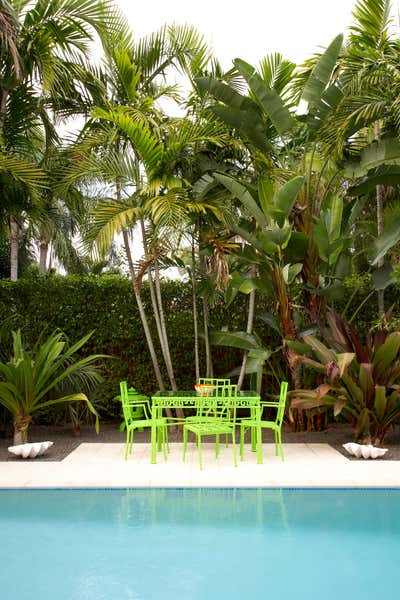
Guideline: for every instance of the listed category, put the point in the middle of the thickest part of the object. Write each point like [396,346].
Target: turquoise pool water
[199,544]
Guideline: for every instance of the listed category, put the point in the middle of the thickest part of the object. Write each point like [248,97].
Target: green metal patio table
[185,399]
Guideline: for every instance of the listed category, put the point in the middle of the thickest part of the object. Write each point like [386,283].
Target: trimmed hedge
[106,306]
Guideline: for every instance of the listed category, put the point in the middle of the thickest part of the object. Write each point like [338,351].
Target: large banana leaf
[382,277]
[248,122]
[242,194]
[322,72]
[383,175]
[377,154]
[389,238]
[268,99]
[321,109]
[238,339]
[285,197]
[224,93]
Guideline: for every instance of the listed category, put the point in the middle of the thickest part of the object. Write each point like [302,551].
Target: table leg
[153,435]
[259,438]
[253,432]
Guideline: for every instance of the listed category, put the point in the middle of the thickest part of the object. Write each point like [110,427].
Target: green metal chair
[137,413]
[216,416]
[276,425]
[132,405]
[218,384]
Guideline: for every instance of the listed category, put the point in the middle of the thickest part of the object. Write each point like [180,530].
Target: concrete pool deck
[103,465]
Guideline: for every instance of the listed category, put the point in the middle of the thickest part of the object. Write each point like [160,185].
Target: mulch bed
[64,441]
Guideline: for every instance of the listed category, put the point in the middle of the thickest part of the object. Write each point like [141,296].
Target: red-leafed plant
[361,379]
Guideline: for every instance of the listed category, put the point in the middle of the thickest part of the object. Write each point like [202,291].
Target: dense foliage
[275,192]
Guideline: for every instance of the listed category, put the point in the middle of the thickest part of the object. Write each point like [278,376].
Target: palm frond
[106,221]
[371,23]
[144,144]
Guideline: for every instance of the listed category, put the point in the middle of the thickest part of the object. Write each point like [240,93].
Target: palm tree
[132,146]
[363,128]
[52,37]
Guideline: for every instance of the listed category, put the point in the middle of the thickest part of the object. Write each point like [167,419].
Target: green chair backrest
[280,405]
[203,380]
[134,405]
[220,406]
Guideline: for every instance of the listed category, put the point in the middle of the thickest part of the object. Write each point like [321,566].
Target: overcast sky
[250,29]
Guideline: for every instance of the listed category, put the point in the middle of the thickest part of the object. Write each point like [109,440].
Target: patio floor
[103,465]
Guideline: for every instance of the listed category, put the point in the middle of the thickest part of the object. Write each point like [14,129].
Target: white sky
[250,29]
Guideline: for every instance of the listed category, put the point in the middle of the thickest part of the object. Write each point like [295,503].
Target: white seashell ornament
[364,450]
[30,450]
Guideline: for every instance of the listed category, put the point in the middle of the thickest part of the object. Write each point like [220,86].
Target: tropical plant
[359,380]
[362,130]
[281,143]
[270,245]
[33,379]
[138,151]
[44,78]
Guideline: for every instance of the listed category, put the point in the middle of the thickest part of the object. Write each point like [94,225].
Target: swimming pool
[199,544]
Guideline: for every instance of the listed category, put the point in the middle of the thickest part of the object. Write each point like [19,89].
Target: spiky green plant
[34,379]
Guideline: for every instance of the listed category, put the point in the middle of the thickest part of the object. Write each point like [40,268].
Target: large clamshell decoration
[30,450]
[364,451]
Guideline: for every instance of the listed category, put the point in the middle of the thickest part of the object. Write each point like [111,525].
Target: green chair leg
[280,445]
[127,444]
[242,432]
[164,442]
[234,449]
[199,451]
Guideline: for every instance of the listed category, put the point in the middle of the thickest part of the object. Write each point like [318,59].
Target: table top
[189,399]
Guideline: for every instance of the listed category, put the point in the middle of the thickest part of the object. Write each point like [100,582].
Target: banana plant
[270,244]
[274,134]
[359,380]
[257,354]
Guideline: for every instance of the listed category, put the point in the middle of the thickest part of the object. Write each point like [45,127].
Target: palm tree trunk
[15,234]
[21,425]
[153,297]
[142,313]
[289,332]
[195,324]
[249,330]
[43,251]
[209,364]
[179,411]
[163,327]
[379,224]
